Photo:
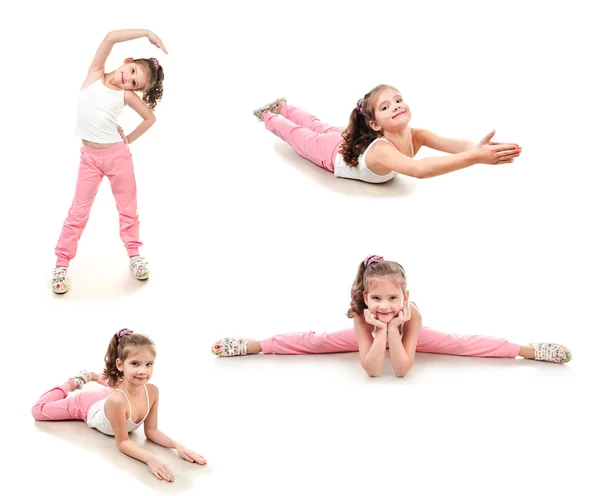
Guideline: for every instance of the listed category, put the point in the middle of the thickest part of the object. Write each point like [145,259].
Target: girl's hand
[489,152]
[159,469]
[190,456]
[370,319]
[156,41]
[123,135]
[402,317]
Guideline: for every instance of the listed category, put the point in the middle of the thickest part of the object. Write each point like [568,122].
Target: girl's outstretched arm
[371,350]
[403,348]
[160,438]
[97,66]
[116,410]
[423,137]
[387,155]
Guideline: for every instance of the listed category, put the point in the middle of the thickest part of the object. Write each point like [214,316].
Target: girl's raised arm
[97,65]
[116,413]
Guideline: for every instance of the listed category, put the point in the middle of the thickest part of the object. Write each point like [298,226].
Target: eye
[393,297]
[384,107]
[376,298]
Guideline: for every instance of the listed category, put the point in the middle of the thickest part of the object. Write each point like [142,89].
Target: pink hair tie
[360,106]
[154,63]
[122,333]
[372,258]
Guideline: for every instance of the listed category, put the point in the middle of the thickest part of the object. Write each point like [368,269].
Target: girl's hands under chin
[370,319]
[402,317]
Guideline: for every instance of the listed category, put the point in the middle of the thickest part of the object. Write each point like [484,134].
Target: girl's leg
[303,343]
[119,169]
[57,405]
[431,341]
[88,181]
[320,149]
[304,119]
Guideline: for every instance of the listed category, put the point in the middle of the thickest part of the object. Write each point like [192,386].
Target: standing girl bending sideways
[125,404]
[378,143]
[105,150]
[384,318]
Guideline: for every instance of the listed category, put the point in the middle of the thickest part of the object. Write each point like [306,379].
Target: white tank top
[97,417]
[361,172]
[97,110]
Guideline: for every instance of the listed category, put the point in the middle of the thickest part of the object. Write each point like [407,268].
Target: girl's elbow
[371,372]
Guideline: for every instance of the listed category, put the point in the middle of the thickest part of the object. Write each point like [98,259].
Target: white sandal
[551,352]
[228,347]
[82,378]
[269,107]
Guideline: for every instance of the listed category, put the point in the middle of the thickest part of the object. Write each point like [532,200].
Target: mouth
[140,378]
[122,79]
[384,314]
[399,113]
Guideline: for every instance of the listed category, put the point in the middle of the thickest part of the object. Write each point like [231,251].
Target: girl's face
[131,76]
[138,366]
[391,112]
[385,298]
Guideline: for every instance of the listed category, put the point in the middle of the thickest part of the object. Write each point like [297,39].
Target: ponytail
[359,134]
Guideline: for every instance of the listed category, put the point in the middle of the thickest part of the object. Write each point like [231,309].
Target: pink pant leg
[304,119]
[88,181]
[303,343]
[431,341]
[57,405]
[320,149]
[119,169]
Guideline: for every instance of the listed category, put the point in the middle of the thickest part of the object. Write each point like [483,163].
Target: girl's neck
[107,80]
[130,389]
[401,135]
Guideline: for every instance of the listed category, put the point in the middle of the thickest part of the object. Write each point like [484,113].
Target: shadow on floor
[79,434]
[400,186]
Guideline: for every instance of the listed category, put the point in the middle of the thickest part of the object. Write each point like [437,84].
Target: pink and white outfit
[319,143]
[430,341]
[88,406]
[97,110]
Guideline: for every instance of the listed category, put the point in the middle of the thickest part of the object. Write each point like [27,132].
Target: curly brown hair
[376,269]
[122,349]
[153,91]
[359,134]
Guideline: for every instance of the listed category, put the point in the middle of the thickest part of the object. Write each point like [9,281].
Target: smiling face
[391,112]
[384,298]
[138,367]
[131,76]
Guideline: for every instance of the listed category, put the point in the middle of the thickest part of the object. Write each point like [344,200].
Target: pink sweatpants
[312,139]
[430,341]
[57,405]
[116,163]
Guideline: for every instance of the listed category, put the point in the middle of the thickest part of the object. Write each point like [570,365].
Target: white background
[245,238]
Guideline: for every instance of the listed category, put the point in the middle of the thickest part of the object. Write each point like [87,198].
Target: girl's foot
[272,107]
[60,283]
[551,352]
[139,267]
[80,379]
[227,347]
